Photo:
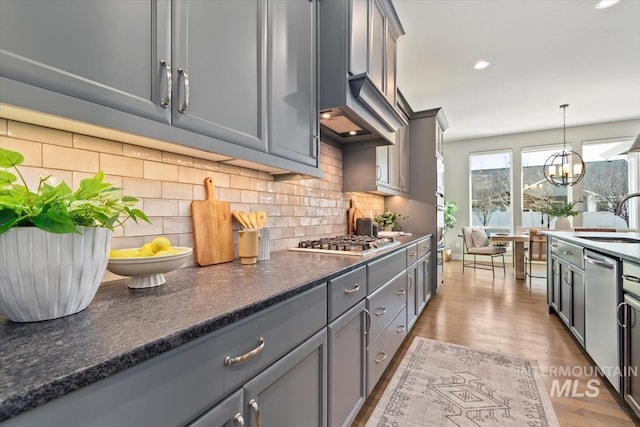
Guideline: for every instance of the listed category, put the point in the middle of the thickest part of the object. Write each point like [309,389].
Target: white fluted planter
[562,223]
[48,275]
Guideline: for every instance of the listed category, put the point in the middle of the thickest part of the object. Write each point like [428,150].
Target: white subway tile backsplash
[57,157]
[137,187]
[166,184]
[38,133]
[32,151]
[92,143]
[121,165]
[175,190]
[33,175]
[160,171]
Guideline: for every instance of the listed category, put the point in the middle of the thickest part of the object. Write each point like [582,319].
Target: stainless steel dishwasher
[601,326]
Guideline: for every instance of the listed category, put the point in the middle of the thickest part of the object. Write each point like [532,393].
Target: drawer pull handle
[412,254]
[239,420]
[622,325]
[410,283]
[256,411]
[366,330]
[381,312]
[400,329]
[567,253]
[554,245]
[631,278]
[166,99]
[384,356]
[356,288]
[184,103]
[230,361]
[401,292]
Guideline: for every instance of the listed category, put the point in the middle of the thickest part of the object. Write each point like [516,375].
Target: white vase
[49,275]
[562,223]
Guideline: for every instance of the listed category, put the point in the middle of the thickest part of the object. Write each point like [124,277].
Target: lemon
[123,253]
[146,250]
[160,244]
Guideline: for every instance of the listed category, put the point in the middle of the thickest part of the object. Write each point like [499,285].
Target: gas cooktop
[346,245]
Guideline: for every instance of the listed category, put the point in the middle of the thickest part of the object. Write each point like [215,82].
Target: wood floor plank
[509,316]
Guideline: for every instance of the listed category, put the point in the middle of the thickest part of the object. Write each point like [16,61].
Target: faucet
[624,199]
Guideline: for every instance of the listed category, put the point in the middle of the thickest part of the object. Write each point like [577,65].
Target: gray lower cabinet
[415,292]
[381,351]
[109,53]
[570,290]
[554,284]
[228,413]
[577,304]
[347,366]
[293,391]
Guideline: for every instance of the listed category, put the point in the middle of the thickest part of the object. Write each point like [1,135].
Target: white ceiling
[543,53]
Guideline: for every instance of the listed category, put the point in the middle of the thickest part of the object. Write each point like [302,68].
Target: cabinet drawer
[381,271]
[381,351]
[424,247]
[385,303]
[569,252]
[412,254]
[345,291]
[631,277]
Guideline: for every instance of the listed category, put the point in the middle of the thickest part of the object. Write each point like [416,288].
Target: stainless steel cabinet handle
[400,329]
[355,288]
[412,254]
[166,99]
[230,361]
[554,245]
[631,278]
[622,325]
[401,292]
[366,330]
[381,312]
[599,262]
[378,172]
[410,282]
[384,356]
[567,276]
[184,103]
[239,420]
[565,252]
[256,411]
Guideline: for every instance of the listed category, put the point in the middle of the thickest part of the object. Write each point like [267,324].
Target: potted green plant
[388,220]
[54,242]
[450,208]
[561,211]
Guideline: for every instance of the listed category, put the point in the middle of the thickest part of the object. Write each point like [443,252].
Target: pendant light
[565,168]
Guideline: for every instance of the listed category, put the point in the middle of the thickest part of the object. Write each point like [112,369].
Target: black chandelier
[565,168]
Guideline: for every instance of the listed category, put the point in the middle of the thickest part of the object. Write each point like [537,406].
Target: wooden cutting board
[350,221]
[212,229]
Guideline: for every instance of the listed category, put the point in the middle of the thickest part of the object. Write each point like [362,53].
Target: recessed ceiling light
[353,132]
[481,65]
[326,115]
[603,4]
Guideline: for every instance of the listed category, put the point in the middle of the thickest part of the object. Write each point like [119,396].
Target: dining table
[518,240]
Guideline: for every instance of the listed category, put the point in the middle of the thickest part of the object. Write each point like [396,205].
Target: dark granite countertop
[122,327]
[626,251]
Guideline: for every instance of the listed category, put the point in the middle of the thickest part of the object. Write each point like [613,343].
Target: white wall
[456,160]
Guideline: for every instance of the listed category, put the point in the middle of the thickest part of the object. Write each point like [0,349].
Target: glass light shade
[570,166]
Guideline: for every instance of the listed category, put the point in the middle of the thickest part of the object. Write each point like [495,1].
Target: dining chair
[476,242]
[536,252]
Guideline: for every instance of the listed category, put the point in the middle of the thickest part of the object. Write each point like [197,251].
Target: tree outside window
[491,189]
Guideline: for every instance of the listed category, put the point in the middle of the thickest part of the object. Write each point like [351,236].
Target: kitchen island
[592,282]
[123,328]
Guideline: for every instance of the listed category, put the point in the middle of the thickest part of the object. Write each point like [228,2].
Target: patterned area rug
[441,384]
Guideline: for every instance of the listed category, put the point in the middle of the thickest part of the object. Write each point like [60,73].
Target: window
[537,192]
[608,177]
[490,189]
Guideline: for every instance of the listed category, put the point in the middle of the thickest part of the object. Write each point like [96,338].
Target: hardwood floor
[506,315]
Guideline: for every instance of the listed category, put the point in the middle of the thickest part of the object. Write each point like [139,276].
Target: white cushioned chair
[476,242]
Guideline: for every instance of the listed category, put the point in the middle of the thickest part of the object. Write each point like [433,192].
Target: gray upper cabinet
[110,53]
[220,86]
[292,82]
